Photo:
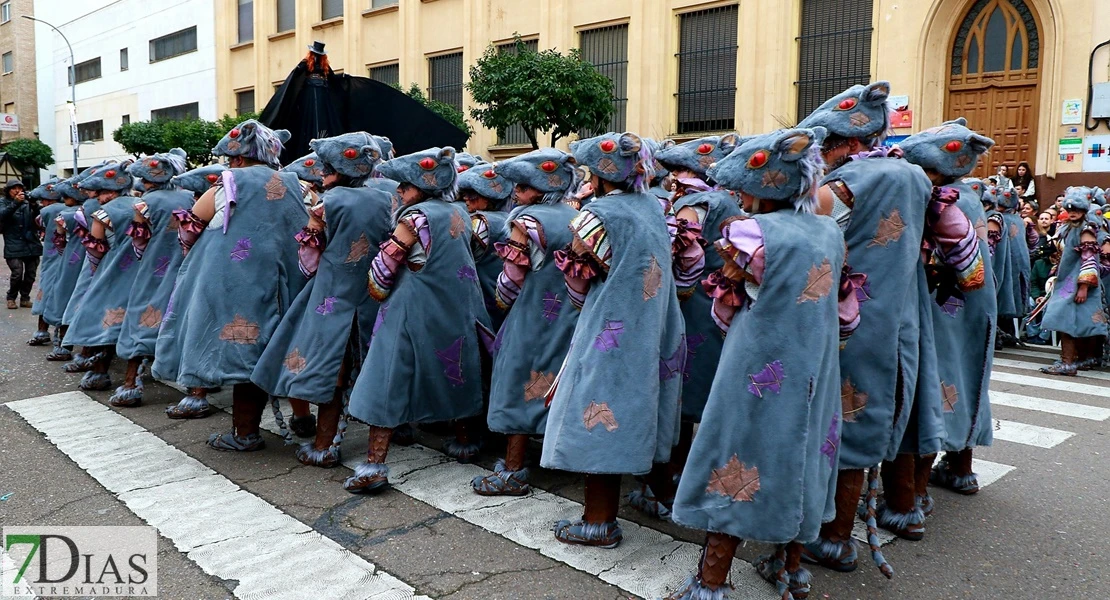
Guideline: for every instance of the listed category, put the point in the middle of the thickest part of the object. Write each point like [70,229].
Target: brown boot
[954,472]
[509,477]
[784,570]
[834,549]
[598,526]
[898,512]
[922,467]
[320,453]
[372,476]
[1069,357]
[248,402]
[713,569]
[12,305]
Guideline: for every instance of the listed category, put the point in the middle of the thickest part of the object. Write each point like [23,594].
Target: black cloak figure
[315,102]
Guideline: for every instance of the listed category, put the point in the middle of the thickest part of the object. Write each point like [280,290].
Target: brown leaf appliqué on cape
[819,283]
[112,317]
[852,401]
[599,414]
[275,188]
[240,331]
[151,317]
[458,226]
[951,397]
[653,279]
[734,480]
[981,229]
[1013,230]
[537,385]
[294,362]
[1099,317]
[890,230]
[360,248]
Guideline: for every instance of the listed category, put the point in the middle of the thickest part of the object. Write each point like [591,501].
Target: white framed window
[5,12]
[9,63]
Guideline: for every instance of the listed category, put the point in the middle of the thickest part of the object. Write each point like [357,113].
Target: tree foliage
[546,91]
[451,114]
[29,153]
[195,136]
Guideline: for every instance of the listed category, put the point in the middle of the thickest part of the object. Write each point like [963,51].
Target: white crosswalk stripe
[162,485]
[1030,366]
[1056,407]
[1056,383]
[1029,435]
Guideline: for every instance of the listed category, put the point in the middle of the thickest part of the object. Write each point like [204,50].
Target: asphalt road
[1036,532]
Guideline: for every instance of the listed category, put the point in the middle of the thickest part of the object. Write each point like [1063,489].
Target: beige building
[18,95]
[685,67]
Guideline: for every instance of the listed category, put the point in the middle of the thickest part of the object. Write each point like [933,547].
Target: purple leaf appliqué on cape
[51,250]
[692,344]
[952,306]
[497,339]
[467,272]
[669,367]
[378,321]
[242,250]
[832,440]
[551,306]
[126,261]
[609,337]
[770,378]
[75,257]
[1067,286]
[327,306]
[161,266]
[451,357]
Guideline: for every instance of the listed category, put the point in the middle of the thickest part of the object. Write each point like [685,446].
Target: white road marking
[1030,353]
[1029,435]
[1056,407]
[1060,384]
[227,531]
[1030,366]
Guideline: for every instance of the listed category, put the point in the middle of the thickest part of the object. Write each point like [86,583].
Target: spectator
[1023,180]
[1003,180]
[22,247]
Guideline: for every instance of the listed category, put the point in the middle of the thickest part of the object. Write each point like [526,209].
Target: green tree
[195,136]
[29,153]
[140,137]
[448,112]
[546,91]
[228,122]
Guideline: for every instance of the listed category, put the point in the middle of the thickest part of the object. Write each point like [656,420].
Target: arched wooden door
[995,78]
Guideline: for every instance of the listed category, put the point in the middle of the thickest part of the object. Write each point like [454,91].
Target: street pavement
[261,525]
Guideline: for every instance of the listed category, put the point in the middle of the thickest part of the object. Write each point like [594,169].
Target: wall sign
[1073,112]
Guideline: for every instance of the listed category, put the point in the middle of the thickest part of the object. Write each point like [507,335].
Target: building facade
[17,71]
[685,67]
[135,60]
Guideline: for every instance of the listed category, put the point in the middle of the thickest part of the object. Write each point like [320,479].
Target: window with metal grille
[382,3]
[330,9]
[123,60]
[246,20]
[515,134]
[445,79]
[606,48]
[181,112]
[707,70]
[86,71]
[387,74]
[93,131]
[9,62]
[286,15]
[174,44]
[244,102]
[834,49]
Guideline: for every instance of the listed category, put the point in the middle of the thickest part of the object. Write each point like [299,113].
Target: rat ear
[794,143]
[667,145]
[979,144]
[372,152]
[629,144]
[446,154]
[283,135]
[178,152]
[875,94]
[728,143]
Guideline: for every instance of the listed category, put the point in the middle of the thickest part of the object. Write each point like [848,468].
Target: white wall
[101,28]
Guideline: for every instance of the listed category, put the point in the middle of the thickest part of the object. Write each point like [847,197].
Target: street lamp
[72,91]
